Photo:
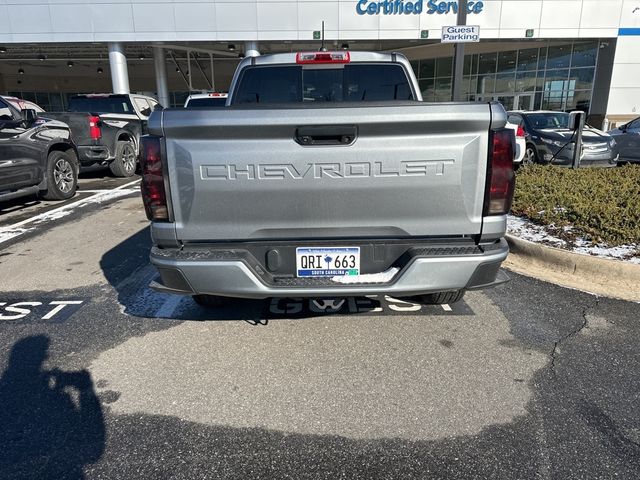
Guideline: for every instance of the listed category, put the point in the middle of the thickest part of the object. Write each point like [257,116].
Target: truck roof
[284,58]
[325,59]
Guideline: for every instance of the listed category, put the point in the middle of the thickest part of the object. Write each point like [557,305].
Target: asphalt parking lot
[93,183]
[104,378]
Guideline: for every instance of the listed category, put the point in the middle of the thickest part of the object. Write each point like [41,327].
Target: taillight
[323,57]
[500,176]
[94,128]
[520,132]
[152,186]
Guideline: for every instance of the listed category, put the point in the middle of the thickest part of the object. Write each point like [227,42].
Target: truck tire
[442,298]
[62,176]
[209,301]
[126,159]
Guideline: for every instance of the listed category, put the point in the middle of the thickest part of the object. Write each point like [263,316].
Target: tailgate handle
[326,135]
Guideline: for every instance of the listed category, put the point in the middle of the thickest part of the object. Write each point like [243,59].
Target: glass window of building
[584,54]
[578,100]
[487,63]
[427,86]
[427,68]
[444,67]
[542,58]
[507,61]
[523,79]
[583,77]
[528,59]
[507,101]
[469,84]
[555,75]
[486,83]
[443,89]
[505,82]
[470,64]
[559,56]
[526,81]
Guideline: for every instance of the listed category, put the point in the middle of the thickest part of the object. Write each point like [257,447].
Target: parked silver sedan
[549,140]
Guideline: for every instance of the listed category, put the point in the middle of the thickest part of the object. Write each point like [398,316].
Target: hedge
[601,205]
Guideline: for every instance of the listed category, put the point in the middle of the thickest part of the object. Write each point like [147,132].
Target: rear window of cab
[335,83]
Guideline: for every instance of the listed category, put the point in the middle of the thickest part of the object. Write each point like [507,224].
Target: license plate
[327,262]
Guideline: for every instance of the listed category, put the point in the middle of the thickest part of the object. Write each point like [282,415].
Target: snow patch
[382,277]
[110,195]
[55,215]
[523,228]
[15,230]
[6,235]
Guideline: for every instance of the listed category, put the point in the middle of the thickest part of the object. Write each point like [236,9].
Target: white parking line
[447,308]
[94,191]
[16,229]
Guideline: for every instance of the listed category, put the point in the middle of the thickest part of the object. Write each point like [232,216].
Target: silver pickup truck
[326,176]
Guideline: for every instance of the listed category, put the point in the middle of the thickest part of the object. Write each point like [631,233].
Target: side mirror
[29,116]
[623,128]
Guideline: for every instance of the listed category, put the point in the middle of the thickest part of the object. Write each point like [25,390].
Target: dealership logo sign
[402,7]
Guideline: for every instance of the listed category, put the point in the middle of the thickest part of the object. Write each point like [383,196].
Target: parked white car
[520,143]
[21,104]
[205,100]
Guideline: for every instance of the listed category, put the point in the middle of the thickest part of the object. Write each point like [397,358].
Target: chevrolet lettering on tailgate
[322,170]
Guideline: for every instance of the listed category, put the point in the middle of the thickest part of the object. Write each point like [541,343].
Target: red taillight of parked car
[94,128]
[500,175]
[153,193]
[520,131]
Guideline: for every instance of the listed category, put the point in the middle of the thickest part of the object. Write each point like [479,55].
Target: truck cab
[107,128]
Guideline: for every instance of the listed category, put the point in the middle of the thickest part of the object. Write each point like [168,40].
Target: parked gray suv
[628,138]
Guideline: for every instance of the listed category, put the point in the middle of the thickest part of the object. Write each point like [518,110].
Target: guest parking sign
[461,34]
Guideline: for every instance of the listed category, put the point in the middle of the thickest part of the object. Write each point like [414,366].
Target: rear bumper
[228,274]
[89,154]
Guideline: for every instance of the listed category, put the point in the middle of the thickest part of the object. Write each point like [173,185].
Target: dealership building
[531,54]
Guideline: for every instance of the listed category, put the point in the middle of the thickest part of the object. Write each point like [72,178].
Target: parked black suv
[107,128]
[37,156]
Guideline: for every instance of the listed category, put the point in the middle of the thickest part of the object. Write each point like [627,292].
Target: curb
[610,278]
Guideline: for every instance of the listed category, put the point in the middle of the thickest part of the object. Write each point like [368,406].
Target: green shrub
[601,205]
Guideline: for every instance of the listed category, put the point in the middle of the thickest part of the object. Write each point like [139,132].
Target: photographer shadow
[51,421]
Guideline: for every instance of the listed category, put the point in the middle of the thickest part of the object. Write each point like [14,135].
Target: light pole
[458,56]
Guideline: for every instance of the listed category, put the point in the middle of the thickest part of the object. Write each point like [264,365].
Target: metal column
[118,66]
[458,56]
[251,49]
[576,122]
[160,64]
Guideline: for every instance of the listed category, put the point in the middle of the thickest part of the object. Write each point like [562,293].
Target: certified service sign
[461,33]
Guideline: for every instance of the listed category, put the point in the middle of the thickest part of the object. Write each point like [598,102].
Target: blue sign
[401,7]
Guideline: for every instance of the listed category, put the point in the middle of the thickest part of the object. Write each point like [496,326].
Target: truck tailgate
[78,123]
[395,170]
